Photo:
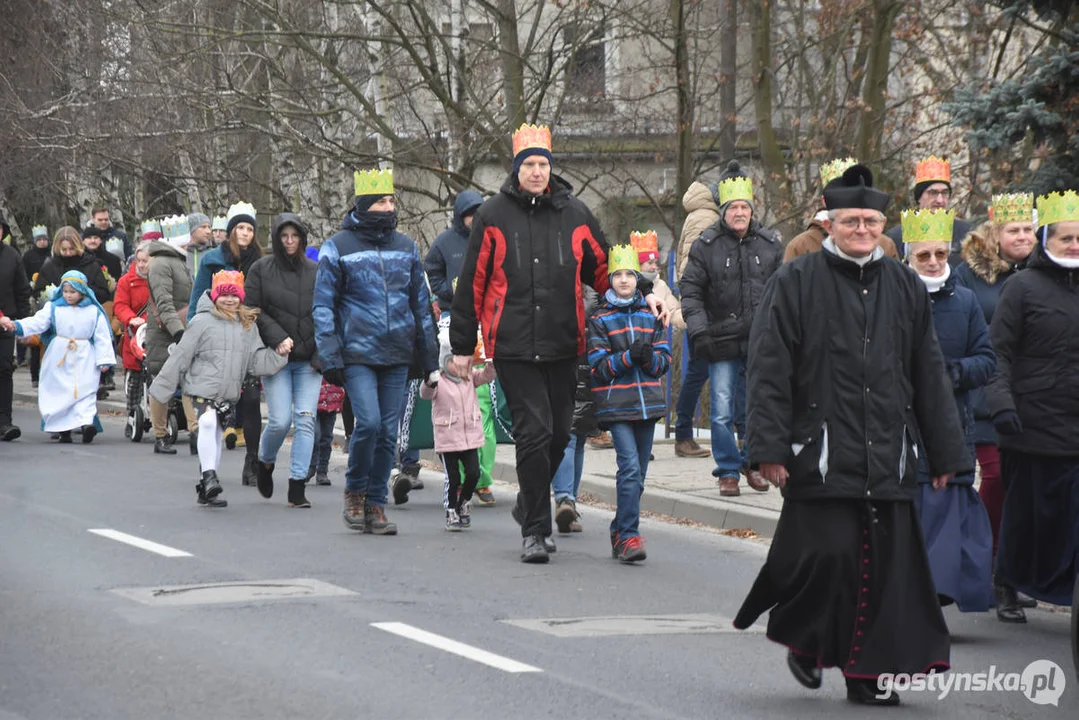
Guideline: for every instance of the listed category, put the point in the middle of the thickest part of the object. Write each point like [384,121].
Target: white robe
[67,391]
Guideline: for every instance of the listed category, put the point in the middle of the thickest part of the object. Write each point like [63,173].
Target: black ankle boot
[296,496]
[162,446]
[866,692]
[211,487]
[215,502]
[250,471]
[264,478]
[1008,609]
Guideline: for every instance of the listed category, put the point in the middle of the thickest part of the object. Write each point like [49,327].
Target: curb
[711,513]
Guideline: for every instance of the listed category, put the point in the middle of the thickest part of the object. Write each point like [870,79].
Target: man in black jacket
[14,303]
[532,247]
[447,253]
[845,373]
[102,219]
[721,287]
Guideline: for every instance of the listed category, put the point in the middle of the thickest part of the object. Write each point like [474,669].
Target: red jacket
[131,300]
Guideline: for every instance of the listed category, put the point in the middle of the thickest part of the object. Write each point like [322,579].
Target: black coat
[528,257]
[722,286]
[108,261]
[983,271]
[1035,333]
[447,253]
[844,373]
[14,286]
[33,260]
[87,264]
[283,288]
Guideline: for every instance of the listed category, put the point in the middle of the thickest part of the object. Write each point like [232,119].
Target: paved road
[73,646]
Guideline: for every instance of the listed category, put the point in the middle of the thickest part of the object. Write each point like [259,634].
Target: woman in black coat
[68,253]
[282,286]
[1034,399]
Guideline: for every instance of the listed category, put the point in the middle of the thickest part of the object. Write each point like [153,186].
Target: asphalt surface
[71,646]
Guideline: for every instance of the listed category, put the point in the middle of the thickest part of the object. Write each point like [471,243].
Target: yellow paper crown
[836,168]
[1013,207]
[1058,207]
[532,136]
[227,277]
[39,231]
[927,225]
[736,188]
[622,257]
[373,182]
[644,242]
[933,169]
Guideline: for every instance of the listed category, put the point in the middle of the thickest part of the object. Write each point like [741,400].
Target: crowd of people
[873,377]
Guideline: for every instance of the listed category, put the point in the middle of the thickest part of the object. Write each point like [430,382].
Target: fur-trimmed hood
[982,254]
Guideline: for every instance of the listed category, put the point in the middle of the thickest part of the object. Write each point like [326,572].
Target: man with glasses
[933,191]
[845,373]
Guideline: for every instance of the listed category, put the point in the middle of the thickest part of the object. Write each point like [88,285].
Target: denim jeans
[740,403]
[375,393]
[567,478]
[632,448]
[689,396]
[291,400]
[724,378]
[320,457]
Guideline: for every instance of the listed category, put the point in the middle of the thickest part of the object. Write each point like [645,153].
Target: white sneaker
[453,521]
[464,514]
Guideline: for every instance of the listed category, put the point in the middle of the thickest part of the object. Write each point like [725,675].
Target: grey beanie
[195,220]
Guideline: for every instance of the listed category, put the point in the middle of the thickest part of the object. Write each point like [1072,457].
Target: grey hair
[832,213]
[144,246]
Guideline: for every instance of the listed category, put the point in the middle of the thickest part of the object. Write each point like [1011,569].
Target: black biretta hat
[854,189]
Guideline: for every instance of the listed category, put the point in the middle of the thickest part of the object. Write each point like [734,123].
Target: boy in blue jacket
[628,354]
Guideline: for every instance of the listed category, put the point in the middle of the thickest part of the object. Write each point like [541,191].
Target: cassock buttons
[864,291]
[535,261]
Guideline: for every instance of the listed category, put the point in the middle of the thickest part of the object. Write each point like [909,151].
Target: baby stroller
[138,396]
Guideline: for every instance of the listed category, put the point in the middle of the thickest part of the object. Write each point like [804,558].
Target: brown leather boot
[728,487]
[689,448]
[756,480]
[353,513]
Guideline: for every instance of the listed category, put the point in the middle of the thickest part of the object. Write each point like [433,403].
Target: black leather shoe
[804,669]
[402,485]
[9,433]
[211,486]
[533,550]
[1008,607]
[1026,602]
[865,692]
[162,446]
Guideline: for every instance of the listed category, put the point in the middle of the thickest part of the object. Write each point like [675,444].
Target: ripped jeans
[291,401]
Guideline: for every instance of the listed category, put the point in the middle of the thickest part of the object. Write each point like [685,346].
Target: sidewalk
[680,488]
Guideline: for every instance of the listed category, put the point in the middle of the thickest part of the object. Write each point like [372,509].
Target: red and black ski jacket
[522,275]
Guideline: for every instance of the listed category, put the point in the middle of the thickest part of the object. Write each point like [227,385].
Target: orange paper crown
[645,242]
[933,169]
[532,136]
[227,277]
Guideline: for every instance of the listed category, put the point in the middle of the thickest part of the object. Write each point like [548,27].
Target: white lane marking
[140,543]
[457,648]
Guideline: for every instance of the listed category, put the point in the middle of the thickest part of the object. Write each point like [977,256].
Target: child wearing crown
[220,347]
[628,355]
[78,348]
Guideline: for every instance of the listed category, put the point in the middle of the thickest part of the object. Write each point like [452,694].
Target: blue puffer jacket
[622,391]
[964,342]
[371,301]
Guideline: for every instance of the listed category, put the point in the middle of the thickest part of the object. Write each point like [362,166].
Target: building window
[586,72]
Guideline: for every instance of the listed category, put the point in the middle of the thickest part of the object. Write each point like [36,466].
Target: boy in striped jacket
[628,354]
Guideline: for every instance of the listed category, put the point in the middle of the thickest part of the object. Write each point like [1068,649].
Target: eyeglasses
[855,223]
[935,194]
[924,255]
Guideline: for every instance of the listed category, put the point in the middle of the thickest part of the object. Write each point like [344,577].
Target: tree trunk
[775,171]
[685,107]
[728,76]
[513,76]
[875,85]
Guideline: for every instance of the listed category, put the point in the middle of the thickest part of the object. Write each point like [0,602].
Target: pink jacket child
[455,411]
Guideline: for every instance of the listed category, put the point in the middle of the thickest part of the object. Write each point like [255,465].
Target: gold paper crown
[531,136]
[373,182]
[933,169]
[220,223]
[736,188]
[836,168]
[227,277]
[644,242]
[241,208]
[149,226]
[1014,207]
[39,230]
[1058,207]
[927,225]
[622,257]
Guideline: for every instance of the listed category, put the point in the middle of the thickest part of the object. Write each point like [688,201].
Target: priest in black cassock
[844,373]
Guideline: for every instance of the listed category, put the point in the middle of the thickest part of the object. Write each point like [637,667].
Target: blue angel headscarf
[78,282]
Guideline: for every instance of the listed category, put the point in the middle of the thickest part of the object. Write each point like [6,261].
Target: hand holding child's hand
[7,324]
[103,368]
[284,347]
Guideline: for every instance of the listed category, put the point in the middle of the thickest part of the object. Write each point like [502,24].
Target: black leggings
[458,493]
[249,415]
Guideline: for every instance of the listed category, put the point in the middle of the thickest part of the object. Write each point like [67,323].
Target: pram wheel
[136,425]
[173,430]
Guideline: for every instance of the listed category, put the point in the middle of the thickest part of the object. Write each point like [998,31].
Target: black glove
[178,336]
[1007,422]
[702,346]
[640,353]
[334,376]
